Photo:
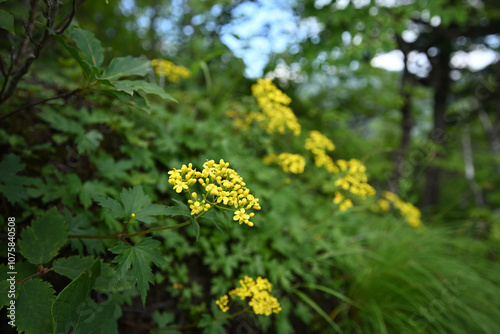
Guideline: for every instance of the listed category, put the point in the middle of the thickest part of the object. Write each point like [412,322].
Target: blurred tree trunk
[406,125]
[440,80]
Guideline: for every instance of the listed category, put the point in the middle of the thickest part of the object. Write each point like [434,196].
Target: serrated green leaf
[72,266]
[214,221]
[89,141]
[136,260]
[7,21]
[11,185]
[135,100]
[111,207]
[90,189]
[109,282]
[174,211]
[133,199]
[86,68]
[130,86]
[99,318]
[127,66]
[23,270]
[69,311]
[145,214]
[79,224]
[41,241]
[61,123]
[89,45]
[33,305]
[196,228]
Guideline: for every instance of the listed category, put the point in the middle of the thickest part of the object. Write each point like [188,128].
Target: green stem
[120,235]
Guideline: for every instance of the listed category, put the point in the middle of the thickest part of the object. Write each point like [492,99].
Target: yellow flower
[171,71]
[345,205]
[220,185]
[222,303]
[261,301]
[317,142]
[290,163]
[410,212]
[276,116]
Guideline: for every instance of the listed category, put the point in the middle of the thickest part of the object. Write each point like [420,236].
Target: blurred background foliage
[429,132]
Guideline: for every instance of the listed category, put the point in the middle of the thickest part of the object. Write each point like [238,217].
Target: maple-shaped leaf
[134,201]
[134,262]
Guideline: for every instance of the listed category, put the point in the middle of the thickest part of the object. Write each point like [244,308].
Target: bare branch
[60,96]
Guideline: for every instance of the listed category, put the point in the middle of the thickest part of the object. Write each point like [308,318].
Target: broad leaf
[11,185]
[127,66]
[129,86]
[33,305]
[72,266]
[196,228]
[41,241]
[111,207]
[136,202]
[89,45]
[7,21]
[89,141]
[69,310]
[136,260]
[99,318]
[86,68]
[80,224]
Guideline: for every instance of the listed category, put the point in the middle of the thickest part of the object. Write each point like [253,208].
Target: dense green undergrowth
[104,243]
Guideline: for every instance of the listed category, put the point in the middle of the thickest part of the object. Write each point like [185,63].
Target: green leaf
[130,86]
[41,241]
[135,259]
[135,201]
[61,123]
[7,21]
[92,188]
[136,100]
[11,185]
[317,308]
[196,228]
[111,207]
[99,318]
[72,266]
[69,311]
[33,305]
[127,66]
[90,46]
[174,211]
[80,224]
[89,141]
[86,68]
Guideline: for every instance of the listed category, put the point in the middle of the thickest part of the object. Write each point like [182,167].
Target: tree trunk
[441,83]
[406,126]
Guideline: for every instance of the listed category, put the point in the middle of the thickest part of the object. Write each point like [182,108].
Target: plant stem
[120,235]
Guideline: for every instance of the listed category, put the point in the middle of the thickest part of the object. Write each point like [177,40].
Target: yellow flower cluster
[354,179]
[170,70]
[276,115]
[261,301]
[319,144]
[241,120]
[221,184]
[290,163]
[409,211]
[339,199]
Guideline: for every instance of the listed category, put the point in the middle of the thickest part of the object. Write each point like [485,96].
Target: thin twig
[60,96]
[68,19]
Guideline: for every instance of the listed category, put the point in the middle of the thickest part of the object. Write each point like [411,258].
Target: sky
[262,27]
